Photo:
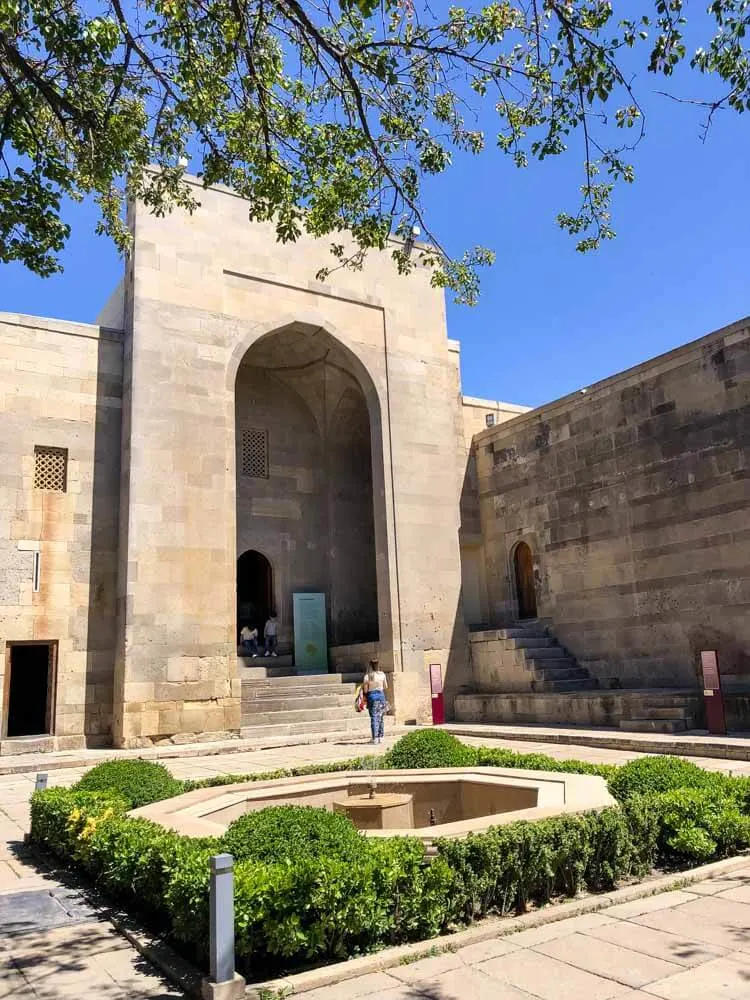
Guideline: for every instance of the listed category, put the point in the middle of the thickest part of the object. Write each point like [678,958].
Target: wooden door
[525,590]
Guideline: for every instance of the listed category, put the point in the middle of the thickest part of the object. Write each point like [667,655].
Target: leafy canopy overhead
[327,115]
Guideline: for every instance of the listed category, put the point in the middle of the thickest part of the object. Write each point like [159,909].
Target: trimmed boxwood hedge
[293,833]
[429,748]
[298,906]
[138,782]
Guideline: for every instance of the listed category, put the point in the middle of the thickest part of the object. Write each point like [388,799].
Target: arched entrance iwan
[523,569]
[254,590]
[309,468]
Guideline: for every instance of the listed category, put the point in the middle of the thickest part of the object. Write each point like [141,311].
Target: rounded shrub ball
[138,782]
[647,775]
[292,833]
[430,748]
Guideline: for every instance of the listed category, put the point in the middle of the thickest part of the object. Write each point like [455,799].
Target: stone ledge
[688,744]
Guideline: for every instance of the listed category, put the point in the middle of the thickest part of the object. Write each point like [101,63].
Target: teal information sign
[310,638]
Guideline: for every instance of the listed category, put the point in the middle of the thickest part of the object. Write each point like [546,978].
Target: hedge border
[184,975]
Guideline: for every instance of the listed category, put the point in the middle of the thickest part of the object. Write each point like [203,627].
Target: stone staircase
[526,657]
[277,702]
[521,671]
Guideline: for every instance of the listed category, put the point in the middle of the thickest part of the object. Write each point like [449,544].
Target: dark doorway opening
[254,590]
[523,563]
[29,689]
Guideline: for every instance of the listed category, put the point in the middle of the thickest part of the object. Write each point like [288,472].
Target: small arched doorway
[254,590]
[523,564]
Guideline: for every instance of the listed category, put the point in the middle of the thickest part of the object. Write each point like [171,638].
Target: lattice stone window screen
[50,468]
[255,454]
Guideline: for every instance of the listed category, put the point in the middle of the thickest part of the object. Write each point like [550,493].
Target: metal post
[41,782]
[221,901]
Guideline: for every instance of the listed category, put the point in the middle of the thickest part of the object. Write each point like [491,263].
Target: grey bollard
[41,783]
[221,901]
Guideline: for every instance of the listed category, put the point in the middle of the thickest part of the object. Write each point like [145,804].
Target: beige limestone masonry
[633,496]
[205,297]
[61,387]
[477,415]
[445,802]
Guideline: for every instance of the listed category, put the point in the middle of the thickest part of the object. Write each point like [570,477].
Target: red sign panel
[710,665]
[436,687]
[436,679]
[713,699]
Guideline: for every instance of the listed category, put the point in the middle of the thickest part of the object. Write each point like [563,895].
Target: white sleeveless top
[376,681]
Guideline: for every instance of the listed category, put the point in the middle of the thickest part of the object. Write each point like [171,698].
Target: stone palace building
[233,434]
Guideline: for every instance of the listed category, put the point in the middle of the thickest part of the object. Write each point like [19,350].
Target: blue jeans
[250,646]
[270,644]
[376,708]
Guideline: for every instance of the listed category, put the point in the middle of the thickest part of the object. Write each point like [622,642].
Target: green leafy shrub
[492,757]
[317,908]
[698,824]
[58,815]
[429,748]
[292,833]
[643,826]
[132,859]
[138,782]
[646,775]
[216,780]
[508,867]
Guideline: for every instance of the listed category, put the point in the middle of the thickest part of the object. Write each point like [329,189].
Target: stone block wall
[61,387]
[634,498]
[475,415]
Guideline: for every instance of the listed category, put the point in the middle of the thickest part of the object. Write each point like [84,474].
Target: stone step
[284,661]
[514,632]
[309,680]
[559,686]
[274,703]
[567,673]
[669,700]
[531,642]
[356,725]
[653,725]
[664,712]
[528,658]
[340,715]
[330,697]
[553,663]
[265,673]
[544,653]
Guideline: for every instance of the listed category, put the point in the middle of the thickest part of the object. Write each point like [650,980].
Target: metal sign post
[436,689]
[224,983]
[712,696]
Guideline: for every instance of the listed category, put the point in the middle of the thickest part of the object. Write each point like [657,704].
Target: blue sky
[550,320]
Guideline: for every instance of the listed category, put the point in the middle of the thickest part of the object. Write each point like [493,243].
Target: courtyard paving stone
[716,921]
[675,948]
[466,984]
[724,977]
[540,975]
[612,961]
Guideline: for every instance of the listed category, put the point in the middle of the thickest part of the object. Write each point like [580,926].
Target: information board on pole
[310,634]
[436,690]
[713,698]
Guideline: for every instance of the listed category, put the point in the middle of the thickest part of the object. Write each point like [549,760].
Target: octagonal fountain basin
[426,803]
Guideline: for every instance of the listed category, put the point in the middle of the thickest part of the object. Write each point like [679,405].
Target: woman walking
[374,685]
